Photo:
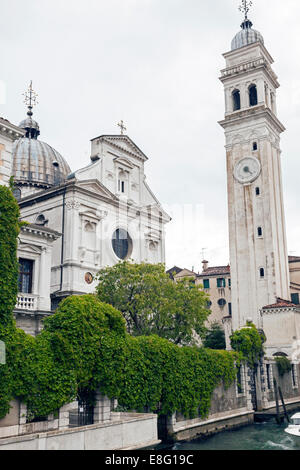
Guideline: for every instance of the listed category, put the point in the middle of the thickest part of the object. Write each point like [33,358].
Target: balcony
[27,302]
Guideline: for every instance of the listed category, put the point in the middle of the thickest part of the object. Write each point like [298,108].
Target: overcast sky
[155,64]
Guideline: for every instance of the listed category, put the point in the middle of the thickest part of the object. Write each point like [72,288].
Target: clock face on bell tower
[247,170]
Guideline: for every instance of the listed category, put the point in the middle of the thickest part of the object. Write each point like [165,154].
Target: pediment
[29,248]
[123,143]
[156,210]
[124,162]
[96,187]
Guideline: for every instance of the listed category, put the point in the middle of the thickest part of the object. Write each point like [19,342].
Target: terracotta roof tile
[215,271]
[281,303]
[293,259]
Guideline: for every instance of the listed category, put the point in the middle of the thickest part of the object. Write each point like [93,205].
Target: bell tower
[257,234]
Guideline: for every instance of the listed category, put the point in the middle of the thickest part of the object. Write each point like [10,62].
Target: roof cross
[122,127]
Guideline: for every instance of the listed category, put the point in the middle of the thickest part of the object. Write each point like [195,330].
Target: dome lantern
[247,35]
[36,164]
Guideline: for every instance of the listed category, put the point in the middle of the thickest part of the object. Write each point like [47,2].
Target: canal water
[259,436]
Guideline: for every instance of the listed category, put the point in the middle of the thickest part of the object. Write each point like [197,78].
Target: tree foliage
[249,342]
[152,303]
[215,337]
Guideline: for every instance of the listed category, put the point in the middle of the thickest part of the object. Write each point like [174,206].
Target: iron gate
[85,413]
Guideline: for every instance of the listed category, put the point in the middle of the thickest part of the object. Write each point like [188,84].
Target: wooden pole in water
[283,404]
[277,402]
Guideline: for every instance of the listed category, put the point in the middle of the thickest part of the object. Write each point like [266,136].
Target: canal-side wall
[230,408]
[289,384]
[125,431]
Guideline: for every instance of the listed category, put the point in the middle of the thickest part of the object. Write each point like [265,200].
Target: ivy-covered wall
[84,346]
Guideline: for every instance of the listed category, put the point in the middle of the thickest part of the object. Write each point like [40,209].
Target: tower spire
[31,126]
[30,99]
[245,8]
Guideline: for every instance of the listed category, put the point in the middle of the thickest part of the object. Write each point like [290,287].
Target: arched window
[41,220]
[236,98]
[17,193]
[56,174]
[253,95]
[122,244]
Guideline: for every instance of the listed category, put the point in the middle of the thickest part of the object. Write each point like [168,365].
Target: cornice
[248,47]
[249,66]
[10,130]
[247,114]
[111,140]
[40,231]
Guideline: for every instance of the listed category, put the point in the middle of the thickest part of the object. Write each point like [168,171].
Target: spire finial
[30,99]
[245,7]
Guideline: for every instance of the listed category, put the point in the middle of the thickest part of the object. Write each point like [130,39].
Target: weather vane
[30,98]
[245,7]
[122,127]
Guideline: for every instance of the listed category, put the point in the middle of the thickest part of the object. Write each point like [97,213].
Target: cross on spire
[245,7]
[30,99]
[122,127]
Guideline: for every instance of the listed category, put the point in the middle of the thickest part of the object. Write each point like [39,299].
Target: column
[102,409]
[44,280]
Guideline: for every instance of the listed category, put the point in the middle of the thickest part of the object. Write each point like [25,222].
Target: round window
[122,244]
[221,302]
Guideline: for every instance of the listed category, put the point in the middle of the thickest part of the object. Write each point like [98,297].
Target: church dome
[35,163]
[246,36]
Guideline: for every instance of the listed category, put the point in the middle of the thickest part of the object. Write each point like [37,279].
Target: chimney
[204,265]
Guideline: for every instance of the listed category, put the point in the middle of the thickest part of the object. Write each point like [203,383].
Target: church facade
[79,222]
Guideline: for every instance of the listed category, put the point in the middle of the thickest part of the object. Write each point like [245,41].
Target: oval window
[221,302]
[122,244]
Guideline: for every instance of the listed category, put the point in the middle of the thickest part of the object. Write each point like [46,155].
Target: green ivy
[284,365]
[248,341]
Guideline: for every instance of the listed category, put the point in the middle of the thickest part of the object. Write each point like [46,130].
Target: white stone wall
[129,431]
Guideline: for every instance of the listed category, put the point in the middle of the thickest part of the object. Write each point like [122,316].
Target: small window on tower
[236,97]
[253,95]
[262,272]
[259,232]
[254,146]
[257,191]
